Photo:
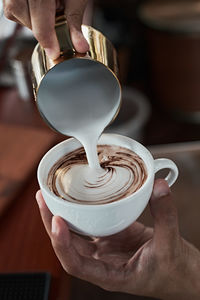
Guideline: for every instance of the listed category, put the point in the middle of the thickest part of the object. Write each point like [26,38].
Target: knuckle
[40,35]
[70,267]
[114,281]
[43,36]
[172,217]
[56,245]
[107,287]
[168,257]
[170,220]
[9,9]
[111,286]
[74,16]
[7,14]
[163,257]
[73,269]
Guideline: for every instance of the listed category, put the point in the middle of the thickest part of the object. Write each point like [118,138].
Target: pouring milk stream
[80,98]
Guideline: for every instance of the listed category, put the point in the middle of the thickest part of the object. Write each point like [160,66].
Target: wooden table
[24,244]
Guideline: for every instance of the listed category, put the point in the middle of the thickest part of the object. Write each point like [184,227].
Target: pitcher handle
[63,34]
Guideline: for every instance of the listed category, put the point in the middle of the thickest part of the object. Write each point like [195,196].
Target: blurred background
[158,45]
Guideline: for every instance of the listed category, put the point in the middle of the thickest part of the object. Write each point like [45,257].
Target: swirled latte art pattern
[123,173]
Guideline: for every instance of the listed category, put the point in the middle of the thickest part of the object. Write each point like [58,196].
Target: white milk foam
[122,173]
[80,180]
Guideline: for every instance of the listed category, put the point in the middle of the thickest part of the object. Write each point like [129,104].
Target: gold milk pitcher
[76,89]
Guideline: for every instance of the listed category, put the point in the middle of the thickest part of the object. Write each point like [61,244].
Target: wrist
[184,279]
[182,295]
[181,292]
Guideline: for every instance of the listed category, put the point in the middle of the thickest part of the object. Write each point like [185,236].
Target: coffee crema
[122,173]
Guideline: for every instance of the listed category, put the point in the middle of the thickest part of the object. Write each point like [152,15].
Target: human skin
[155,262]
[39,15]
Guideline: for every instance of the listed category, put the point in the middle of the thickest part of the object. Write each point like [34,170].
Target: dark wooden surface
[21,149]
[24,244]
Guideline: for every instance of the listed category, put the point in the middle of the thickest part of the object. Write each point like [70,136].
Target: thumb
[164,213]
[74,10]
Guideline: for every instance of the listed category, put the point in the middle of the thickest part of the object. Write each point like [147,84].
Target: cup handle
[165,163]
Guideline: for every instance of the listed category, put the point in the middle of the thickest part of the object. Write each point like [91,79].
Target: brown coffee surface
[124,172]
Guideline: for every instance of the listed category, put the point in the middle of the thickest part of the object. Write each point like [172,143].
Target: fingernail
[37,196]
[54,226]
[50,53]
[161,189]
[80,43]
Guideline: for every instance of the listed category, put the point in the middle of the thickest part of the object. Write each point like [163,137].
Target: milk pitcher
[76,89]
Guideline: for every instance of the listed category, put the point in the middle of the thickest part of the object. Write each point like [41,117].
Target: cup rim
[44,187]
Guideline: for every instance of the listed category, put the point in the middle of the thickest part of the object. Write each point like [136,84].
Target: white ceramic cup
[110,218]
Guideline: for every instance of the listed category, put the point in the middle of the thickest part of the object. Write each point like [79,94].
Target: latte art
[122,173]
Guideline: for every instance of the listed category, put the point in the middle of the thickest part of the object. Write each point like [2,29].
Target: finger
[45,213]
[88,13]
[164,214]
[74,11]
[42,14]
[86,268]
[17,11]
